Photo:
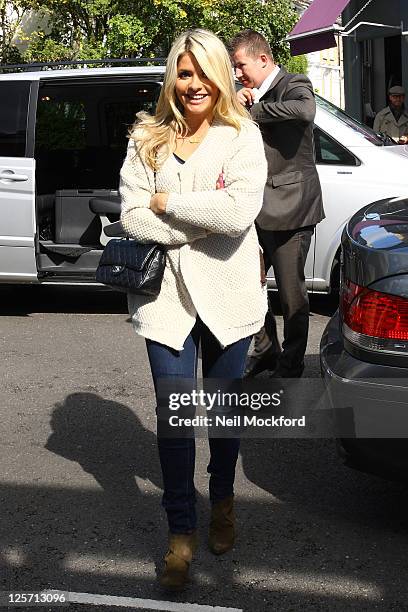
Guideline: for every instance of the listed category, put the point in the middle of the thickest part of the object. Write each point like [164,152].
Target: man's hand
[158,203]
[403,140]
[246,97]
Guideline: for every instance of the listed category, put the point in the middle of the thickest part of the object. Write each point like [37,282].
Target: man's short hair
[253,41]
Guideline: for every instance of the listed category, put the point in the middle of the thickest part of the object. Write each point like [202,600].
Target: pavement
[80,483]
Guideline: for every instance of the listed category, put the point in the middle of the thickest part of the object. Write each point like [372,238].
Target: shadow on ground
[24,300]
[28,299]
[313,535]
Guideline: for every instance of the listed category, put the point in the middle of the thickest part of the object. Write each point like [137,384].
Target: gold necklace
[192,140]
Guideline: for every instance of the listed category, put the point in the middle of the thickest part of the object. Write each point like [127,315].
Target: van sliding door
[17,185]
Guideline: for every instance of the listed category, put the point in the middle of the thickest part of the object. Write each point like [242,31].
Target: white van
[63,141]
[62,144]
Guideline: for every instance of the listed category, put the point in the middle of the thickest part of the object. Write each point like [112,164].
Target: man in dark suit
[284,107]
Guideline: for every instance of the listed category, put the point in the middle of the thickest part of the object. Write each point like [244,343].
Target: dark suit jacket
[285,115]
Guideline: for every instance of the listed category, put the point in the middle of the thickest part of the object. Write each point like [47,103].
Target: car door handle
[10,175]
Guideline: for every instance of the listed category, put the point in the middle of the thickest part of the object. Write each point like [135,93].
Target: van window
[331,152]
[81,131]
[14,96]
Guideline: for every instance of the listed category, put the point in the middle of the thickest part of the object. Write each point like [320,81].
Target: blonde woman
[193,180]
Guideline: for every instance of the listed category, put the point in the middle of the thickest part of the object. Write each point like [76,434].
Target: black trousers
[287,251]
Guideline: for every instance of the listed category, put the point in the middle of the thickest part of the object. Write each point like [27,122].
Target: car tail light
[374,320]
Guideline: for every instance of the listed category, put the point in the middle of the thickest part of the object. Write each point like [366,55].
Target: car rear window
[14,97]
[383,225]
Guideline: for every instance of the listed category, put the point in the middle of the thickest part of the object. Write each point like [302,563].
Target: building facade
[375,56]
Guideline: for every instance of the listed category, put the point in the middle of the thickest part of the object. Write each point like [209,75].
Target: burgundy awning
[315,29]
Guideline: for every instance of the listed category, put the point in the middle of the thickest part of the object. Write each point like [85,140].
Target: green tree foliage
[11,15]
[109,28]
[297,63]
[274,19]
[87,29]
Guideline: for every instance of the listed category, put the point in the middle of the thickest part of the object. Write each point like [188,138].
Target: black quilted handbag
[128,265]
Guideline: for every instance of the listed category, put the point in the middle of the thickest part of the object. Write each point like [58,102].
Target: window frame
[32,118]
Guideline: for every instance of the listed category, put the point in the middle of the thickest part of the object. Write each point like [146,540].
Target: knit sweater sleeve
[233,209]
[138,220]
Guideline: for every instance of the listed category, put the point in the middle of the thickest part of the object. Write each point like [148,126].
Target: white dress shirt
[260,91]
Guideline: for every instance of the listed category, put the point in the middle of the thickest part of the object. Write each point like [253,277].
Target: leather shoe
[178,560]
[256,365]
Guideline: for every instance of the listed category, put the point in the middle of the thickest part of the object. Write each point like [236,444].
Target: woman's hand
[158,203]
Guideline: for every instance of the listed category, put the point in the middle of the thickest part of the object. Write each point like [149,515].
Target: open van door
[17,185]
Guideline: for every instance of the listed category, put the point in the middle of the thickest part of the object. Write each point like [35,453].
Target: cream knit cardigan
[212,261]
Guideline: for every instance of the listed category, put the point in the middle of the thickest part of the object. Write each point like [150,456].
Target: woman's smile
[196,98]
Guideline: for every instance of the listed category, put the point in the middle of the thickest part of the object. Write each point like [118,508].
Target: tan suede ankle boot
[178,560]
[222,526]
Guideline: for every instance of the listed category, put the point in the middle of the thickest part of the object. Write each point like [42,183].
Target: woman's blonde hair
[168,122]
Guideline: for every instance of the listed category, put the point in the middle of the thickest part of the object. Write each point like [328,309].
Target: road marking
[135,602]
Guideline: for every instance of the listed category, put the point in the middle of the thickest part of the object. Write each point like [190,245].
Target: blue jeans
[177,456]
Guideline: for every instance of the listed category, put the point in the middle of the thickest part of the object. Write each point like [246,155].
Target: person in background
[284,107]
[193,180]
[393,119]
